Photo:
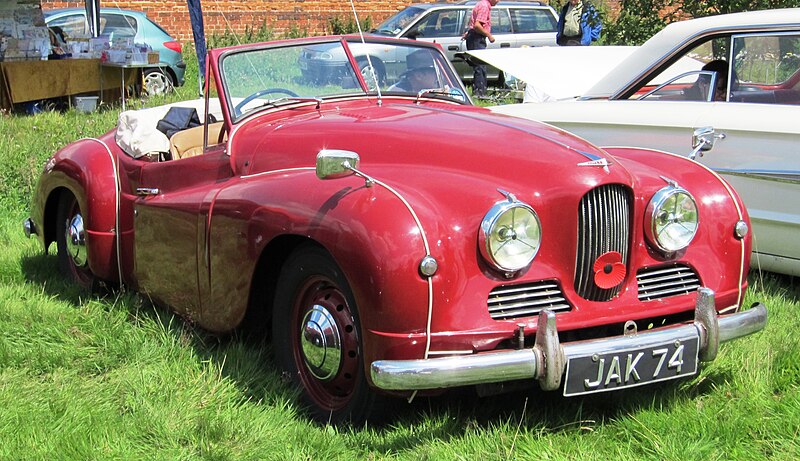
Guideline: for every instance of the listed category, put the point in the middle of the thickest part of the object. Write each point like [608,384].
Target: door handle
[453,48]
[505,45]
[144,191]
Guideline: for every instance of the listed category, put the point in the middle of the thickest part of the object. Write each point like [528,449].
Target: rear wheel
[366,71]
[317,338]
[73,259]
[157,81]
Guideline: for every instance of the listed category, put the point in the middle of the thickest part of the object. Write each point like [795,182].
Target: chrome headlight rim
[488,224]
[655,207]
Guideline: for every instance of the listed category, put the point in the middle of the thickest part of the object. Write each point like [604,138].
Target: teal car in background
[160,78]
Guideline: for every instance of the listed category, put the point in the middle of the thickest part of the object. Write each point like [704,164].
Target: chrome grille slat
[604,218]
[671,292]
[522,305]
[530,299]
[662,282]
[525,300]
[507,290]
[659,286]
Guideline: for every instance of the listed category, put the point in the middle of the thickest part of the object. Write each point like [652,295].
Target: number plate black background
[581,368]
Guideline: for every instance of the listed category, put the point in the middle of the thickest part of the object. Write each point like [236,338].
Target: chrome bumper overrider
[546,361]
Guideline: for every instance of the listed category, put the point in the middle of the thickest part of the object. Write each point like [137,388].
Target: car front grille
[604,223]
[665,281]
[526,300]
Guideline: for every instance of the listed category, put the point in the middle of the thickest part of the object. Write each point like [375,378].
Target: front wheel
[73,259]
[316,338]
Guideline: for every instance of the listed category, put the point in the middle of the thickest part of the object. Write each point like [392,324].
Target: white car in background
[751,136]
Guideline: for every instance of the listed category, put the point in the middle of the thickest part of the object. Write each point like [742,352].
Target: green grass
[112,377]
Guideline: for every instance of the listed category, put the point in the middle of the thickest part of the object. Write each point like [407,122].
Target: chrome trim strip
[546,361]
[790,177]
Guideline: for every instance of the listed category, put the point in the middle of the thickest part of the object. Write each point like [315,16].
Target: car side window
[118,25]
[682,73]
[73,25]
[439,24]
[527,21]
[501,23]
[766,69]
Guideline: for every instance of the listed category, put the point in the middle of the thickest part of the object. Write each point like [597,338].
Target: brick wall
[281,17]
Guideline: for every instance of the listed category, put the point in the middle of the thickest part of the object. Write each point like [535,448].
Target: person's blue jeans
[477,41]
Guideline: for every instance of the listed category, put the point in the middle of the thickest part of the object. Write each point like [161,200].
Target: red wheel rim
[322,322]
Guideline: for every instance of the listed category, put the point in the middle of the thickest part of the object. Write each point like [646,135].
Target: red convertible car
[394,238]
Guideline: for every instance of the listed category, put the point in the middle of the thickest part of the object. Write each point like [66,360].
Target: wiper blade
[440,92]
[277,101]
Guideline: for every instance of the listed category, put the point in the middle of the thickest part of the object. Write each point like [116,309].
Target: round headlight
[673,219]
[510,235]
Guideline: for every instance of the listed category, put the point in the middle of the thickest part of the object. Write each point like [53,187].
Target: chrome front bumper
[546,361]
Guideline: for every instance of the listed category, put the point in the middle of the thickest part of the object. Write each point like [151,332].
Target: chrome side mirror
[334,164]
[703,140]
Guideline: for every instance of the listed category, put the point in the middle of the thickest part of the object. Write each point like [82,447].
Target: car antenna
[369,60]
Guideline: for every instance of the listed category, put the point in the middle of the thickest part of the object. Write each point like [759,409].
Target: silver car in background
[514,25]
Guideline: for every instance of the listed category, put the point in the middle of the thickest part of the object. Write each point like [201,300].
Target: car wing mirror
[413,34]
[703,139]
[334,163]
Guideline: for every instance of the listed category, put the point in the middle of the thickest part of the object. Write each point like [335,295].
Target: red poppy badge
[609,271]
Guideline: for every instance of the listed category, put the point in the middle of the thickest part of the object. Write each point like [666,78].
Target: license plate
[633,367]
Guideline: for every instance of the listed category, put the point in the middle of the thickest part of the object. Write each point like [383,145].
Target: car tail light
[173,45]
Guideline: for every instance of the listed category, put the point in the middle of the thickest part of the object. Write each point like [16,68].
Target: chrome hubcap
[156,83]
[76,241]
[321,344]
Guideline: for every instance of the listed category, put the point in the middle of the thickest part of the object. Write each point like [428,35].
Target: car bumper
[547,360]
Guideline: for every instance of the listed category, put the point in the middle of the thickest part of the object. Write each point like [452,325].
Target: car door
[170,217]
[759,153]
[446,27]
[501,29]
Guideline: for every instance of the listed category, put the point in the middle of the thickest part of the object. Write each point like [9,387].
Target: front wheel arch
[318,339]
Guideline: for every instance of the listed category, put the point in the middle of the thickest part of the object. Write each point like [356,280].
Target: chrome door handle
[144,191]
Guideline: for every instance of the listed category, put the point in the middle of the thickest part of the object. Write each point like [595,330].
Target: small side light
[428,266]
[741,229]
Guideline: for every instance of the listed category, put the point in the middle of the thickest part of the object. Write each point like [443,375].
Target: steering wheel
[260,93]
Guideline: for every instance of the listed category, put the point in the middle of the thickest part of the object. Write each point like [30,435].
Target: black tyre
[71,237]
[157,81]
[316,338]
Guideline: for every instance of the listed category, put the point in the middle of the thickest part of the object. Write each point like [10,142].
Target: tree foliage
[697,9]
[639,20]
